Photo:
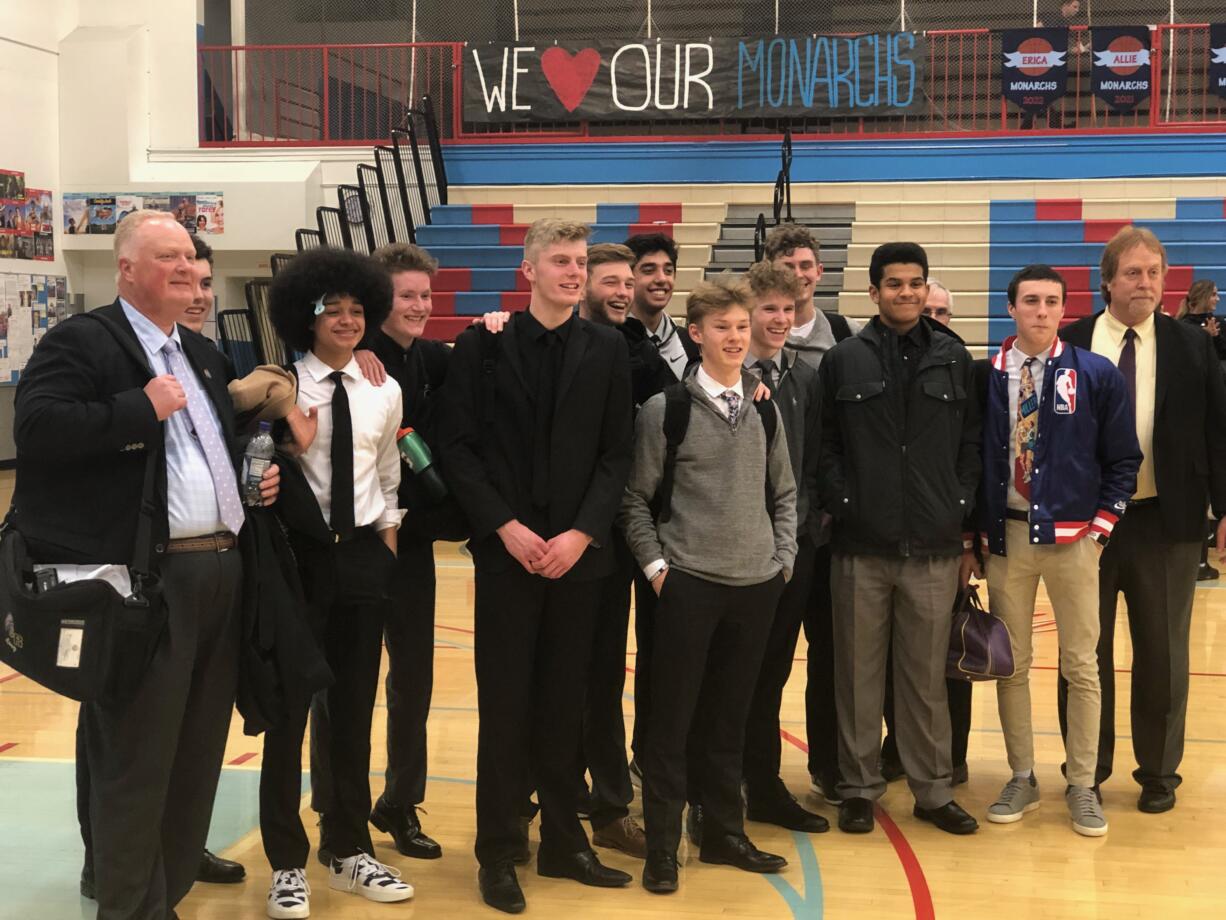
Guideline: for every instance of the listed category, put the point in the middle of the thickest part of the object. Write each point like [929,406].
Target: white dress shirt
[191,499]
[1014,361]
[375,413]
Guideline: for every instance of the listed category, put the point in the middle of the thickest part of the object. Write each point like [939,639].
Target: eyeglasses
[936,312]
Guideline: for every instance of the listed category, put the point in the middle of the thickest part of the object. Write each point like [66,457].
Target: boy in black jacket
[898,471]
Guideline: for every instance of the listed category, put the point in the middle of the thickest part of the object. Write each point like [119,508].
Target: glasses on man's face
[936,312]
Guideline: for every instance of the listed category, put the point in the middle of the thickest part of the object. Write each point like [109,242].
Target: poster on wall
[91,212]
[29,306]
[12,185]
[1034,71]
[1217,58]
[753,77]
[1121,72]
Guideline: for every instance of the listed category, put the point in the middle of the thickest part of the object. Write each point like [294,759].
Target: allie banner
[1217,58]
[1121,72]
[1034,72]
[755,77]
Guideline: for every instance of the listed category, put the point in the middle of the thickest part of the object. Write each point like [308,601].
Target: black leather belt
[1142,502]
[1014,515]
[358,533]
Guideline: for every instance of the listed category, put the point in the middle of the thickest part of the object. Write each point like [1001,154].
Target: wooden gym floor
[1165,865]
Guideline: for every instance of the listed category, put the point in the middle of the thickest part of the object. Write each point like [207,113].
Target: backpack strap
[770,424]
[676,423]
[490,349]
[839,326]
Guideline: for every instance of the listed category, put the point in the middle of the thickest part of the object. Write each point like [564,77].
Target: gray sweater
[720,529]
[813,347]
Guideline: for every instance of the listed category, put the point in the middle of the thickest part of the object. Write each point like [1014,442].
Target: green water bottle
[415,453]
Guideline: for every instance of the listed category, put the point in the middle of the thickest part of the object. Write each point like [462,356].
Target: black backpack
[838,325]
[677,400]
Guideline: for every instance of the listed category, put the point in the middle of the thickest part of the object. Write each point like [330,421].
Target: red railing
[313,95]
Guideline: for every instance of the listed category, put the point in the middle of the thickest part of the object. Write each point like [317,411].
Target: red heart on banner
[570,76]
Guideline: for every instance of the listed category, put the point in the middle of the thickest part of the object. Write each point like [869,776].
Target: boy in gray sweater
[718,553]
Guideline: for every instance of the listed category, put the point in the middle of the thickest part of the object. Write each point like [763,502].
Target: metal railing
[319,95]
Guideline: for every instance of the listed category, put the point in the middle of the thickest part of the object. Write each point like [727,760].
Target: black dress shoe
[218,871]
[693,824]
[405,830]
[949,817]
[1155,799]
[892,769]
[787,812]
[500,888]
[737,850]
[523,854]
[660,872]
[87,882]
[856,816]
[583,867]
[961,775]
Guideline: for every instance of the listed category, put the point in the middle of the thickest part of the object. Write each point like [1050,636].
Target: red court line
[7,677]
[241,759]
[7,746]
[921,897]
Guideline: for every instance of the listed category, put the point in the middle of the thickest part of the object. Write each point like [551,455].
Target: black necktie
[342,458]
[546,394]
[1128,364]
[769,374]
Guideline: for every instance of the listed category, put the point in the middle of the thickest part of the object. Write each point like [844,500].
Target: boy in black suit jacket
[535,441]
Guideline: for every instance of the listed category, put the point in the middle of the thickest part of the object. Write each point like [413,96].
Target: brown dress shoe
[623,834]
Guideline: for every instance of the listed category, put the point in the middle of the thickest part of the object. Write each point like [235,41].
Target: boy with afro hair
[322,304]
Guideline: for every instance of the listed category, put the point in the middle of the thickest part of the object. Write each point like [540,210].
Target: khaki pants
[1070,573]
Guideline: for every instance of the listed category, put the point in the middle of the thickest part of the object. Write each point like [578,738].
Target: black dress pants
[604,725]
[644,640]
[709,641]
[1158,579]
[154,761]
[346,588]
[821,714]
[763,746]
[533,649]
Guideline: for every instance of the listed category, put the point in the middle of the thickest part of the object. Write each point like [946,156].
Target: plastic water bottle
[256,461]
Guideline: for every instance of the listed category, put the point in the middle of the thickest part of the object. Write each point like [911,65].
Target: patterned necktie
[225,483]
[734,405]
[342,458]
[1025,431]
[1128,363]
[770,374]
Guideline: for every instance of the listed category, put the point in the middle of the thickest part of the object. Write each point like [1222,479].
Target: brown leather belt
[209,543]
[1014,515]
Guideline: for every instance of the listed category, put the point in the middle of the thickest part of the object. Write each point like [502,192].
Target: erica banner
[1121,66]
[1034,72]
[1217,58]
[878,74]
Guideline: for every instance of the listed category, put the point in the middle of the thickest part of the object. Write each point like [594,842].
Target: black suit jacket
[1189,423]
[486,426]
[84,428]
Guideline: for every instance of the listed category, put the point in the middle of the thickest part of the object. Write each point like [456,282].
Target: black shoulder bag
[82,639]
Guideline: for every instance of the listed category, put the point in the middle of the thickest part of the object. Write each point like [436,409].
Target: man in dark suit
[99,393]
[1180,401]
[536,435]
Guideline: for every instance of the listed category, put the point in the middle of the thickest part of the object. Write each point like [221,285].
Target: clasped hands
[547,558]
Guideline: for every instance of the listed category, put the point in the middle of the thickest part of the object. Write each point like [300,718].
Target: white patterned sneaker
[289,897]
[365,875]
[1086,811]
[1018,797]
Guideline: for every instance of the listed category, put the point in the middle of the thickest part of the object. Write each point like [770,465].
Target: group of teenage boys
[764,467]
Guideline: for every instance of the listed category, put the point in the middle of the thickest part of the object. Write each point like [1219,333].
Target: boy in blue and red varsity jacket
[1060,458]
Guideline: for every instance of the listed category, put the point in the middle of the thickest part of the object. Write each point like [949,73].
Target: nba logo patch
[1066,391]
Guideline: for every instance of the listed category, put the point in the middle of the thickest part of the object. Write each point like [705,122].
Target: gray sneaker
[1018,797]
[1086,811]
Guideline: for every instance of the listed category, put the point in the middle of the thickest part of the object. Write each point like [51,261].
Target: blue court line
[808,906]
